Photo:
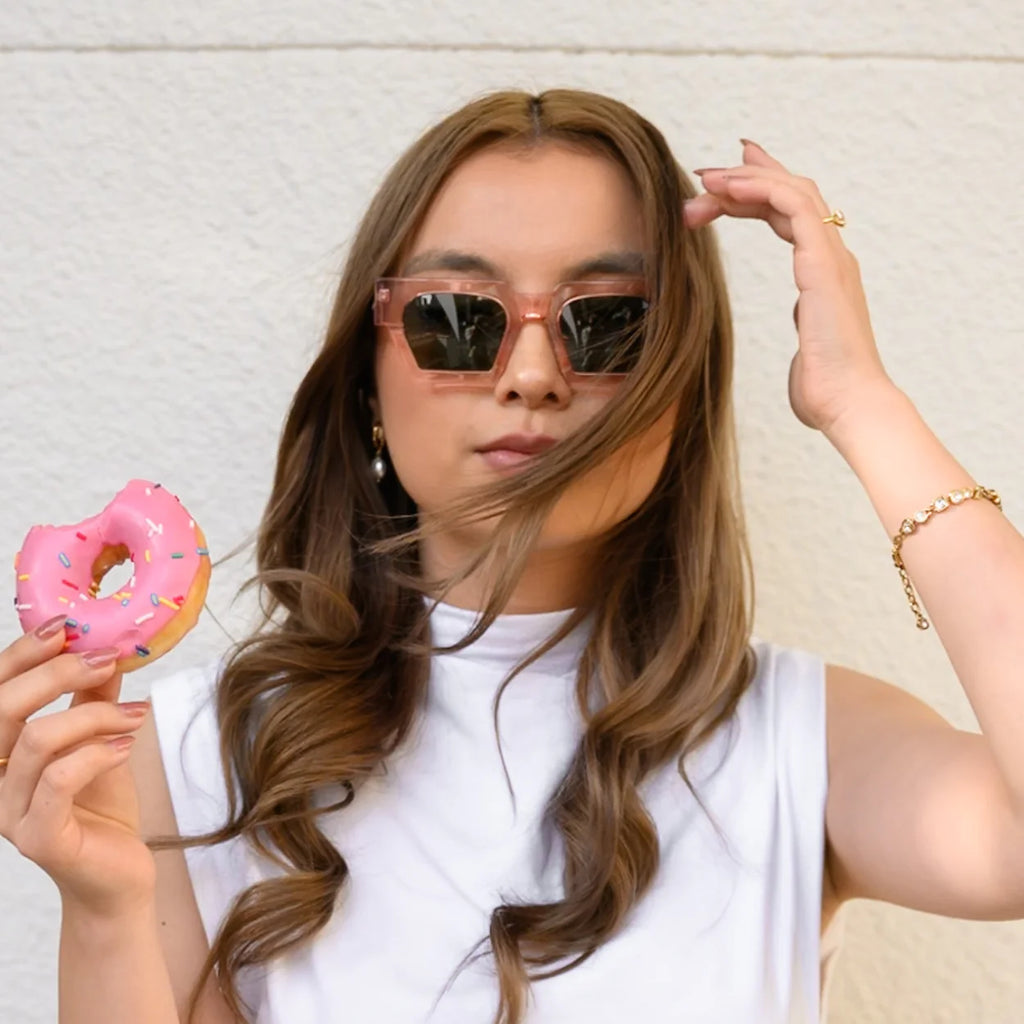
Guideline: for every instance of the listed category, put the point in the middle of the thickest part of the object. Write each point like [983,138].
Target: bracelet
[908,526]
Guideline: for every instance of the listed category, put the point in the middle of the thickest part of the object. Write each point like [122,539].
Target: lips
[522,444]
[513,450]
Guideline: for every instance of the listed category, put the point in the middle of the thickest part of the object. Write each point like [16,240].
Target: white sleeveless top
[727,934]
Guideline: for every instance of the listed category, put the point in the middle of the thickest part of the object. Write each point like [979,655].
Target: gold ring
[4,761]
[835,217]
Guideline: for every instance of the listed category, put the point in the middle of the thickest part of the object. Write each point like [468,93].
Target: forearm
[966,564]
[113,972]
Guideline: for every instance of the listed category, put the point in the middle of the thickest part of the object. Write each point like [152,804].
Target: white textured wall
[178,184]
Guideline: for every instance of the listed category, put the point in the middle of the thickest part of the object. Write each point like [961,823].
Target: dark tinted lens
[454,330]
[603,333]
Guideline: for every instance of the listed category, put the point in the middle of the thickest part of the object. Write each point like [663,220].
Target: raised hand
[838,360]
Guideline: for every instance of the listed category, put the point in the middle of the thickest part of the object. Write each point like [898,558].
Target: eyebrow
[632,263]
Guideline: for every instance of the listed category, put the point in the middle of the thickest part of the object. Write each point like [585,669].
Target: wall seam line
[642,51]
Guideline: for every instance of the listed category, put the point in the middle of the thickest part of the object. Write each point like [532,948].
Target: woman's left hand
[837,364]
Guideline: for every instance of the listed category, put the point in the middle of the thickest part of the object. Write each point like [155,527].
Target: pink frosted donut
[59,569]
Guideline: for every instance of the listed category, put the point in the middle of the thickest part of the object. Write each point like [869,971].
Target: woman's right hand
[67,797]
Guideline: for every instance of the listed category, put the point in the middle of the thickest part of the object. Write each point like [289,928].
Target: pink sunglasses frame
[391,294]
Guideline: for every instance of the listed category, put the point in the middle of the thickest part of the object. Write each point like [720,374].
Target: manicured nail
[134,708]
[751,142]
[705,170]
[104,656]
[122,743]
[51,627]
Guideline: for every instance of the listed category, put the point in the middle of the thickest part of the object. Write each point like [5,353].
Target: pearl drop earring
[378,467]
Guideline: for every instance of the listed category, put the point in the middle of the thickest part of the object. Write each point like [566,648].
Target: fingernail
[751,142]
[50,628]
[134,708]
[104,656]
[705,170]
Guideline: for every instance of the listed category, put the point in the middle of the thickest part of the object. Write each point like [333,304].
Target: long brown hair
[329,683]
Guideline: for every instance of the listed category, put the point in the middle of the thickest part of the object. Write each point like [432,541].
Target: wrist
[109,923]
[876,405]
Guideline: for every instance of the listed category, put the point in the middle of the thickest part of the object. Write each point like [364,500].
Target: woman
[503,746]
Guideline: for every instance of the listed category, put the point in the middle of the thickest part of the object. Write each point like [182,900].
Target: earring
[378,467]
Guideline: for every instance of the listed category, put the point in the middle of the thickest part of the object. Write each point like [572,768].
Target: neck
[553,578]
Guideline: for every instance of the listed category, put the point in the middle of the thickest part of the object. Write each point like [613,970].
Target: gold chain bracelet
[908,526]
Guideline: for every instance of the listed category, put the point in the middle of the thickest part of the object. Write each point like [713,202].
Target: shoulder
[187,739]
[781,734]
[777,732]
[188,688]
[787,690]
[867,717]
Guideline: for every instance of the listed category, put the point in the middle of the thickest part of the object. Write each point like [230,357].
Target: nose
[532,374]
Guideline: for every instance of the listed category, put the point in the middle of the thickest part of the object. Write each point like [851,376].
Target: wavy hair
[330,681]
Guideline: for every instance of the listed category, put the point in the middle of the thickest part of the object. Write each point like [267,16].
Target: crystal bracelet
[908,526]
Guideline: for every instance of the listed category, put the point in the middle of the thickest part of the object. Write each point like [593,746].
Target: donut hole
[112,570]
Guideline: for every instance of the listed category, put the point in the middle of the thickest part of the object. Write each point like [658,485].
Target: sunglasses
[460,331]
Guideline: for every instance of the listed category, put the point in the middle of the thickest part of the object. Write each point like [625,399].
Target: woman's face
[526,218]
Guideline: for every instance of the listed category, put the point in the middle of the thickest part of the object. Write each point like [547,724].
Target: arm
[76,800]
[178,926]
[919,813]
[113,971]
[142,965]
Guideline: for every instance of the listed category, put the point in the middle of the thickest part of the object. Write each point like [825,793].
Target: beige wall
[179,182]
